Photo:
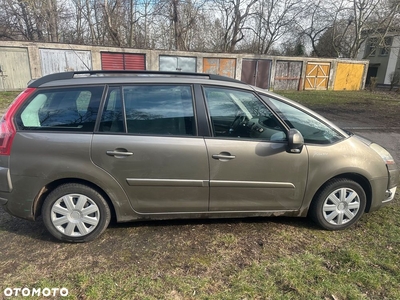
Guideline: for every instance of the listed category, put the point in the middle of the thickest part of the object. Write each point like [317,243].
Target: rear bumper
[19,201]
[3,201]
[5,180]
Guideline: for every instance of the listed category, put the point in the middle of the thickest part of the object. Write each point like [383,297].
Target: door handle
[119,153]
[223,156]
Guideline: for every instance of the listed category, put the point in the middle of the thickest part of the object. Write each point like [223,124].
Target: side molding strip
[251,184]
[167,182]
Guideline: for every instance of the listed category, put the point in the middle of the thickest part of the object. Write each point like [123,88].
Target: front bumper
[394,175]
[393,182]
[389,196]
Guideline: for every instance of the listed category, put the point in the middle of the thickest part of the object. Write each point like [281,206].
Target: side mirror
[295,141]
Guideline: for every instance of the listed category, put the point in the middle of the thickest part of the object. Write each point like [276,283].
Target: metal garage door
[220,66]
[177,63]
[123,61]
[256,72]
[15,72]
[288,75]
[317,76]
[54,61]
[349,77]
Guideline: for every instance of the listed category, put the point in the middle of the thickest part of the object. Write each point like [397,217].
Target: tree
[274,19]
[331,28]
[360,20]
[315,20]
[232,21]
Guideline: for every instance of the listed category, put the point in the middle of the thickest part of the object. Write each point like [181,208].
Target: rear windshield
[61,109]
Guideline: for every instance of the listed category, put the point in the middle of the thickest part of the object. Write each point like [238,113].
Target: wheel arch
[48,188]
[358,178]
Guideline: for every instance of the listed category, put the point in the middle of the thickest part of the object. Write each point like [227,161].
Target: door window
[313,130]
[240,114]
[149,110]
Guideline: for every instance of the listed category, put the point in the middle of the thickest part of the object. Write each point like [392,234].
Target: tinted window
[313,130]
[241,114]
[112,117]
[150,109]
[61,109]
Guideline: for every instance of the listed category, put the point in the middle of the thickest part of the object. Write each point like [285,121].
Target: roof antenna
[80,58]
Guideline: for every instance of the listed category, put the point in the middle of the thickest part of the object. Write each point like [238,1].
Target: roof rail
[69,75]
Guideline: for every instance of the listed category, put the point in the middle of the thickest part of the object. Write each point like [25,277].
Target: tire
[338,205]
[75,213]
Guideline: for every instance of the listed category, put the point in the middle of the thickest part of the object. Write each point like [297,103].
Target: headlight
[383,153]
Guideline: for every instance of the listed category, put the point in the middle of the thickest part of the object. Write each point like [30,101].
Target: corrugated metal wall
[220,66]
[122,61]
[177,63]
[317,76]
[348,77]
[257,72]
[54,60]
[288,75]
[14,64]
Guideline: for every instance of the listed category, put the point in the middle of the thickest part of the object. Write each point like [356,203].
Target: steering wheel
[240,119]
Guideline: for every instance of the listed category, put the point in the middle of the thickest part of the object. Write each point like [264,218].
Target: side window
[112,117]
[61,109]
[313,130]
[240,114]
[150,109]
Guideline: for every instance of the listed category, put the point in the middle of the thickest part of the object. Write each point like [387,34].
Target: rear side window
[149,110]
[62,109]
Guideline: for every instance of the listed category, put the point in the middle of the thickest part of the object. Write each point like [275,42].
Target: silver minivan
[80,148]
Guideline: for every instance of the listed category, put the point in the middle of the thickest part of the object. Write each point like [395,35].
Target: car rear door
[147,140]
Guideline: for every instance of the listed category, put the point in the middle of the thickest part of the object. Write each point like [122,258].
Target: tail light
[7,127]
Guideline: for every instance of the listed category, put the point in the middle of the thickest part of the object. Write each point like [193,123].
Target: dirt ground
[378,123]
[361,114]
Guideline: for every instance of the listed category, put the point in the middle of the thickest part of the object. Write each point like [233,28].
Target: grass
[316,98]
[271,258]
[6,98]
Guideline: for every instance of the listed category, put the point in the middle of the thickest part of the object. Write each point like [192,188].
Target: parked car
[79,148]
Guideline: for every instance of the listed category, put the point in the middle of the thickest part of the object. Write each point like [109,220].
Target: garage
[15,72]
[177,63]
[317,76]
[123,61]
[220,66]
[288,75]
[257,72]
[349,77]
[55,60]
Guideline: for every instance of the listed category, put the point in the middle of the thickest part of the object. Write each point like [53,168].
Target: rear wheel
[75,213]
[339,204]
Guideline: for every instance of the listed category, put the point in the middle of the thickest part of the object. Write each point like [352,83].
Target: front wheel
[339,204]
[75,213]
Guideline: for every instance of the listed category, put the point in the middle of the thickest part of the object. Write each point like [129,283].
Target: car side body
[166,146]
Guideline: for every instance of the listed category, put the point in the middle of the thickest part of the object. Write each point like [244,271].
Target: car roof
[115,77]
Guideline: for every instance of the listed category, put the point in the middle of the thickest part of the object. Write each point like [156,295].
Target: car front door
[250,168]
[147,140]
